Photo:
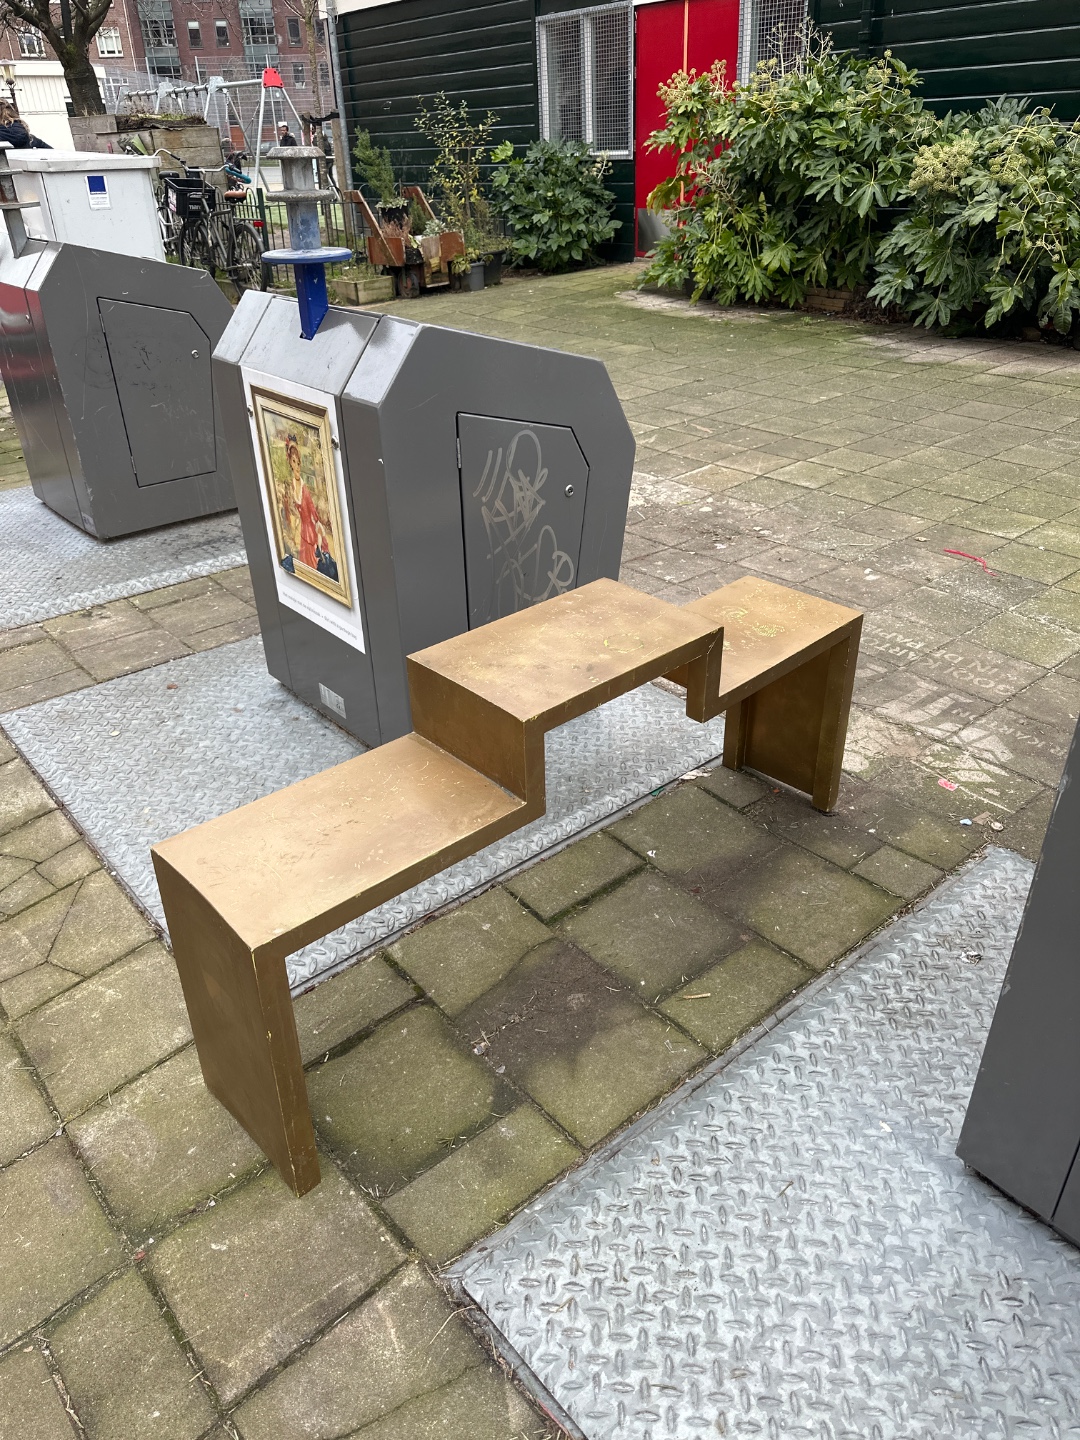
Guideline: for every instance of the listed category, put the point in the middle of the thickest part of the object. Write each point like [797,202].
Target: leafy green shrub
[554,199]
[994,225]
[460,145]
[783,182]
[375,168]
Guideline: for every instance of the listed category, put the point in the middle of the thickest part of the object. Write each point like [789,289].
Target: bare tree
[68,33]
[308,13]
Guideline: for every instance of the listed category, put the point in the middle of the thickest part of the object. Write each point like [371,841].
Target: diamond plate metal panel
[228,733]
[791,1248]
[51,567]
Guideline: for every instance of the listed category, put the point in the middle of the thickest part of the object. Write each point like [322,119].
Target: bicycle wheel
[196,247]
[247,271]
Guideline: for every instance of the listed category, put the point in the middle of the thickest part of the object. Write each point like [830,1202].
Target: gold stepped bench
[246,890]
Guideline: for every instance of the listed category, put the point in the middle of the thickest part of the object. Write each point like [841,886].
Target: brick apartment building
[145,41]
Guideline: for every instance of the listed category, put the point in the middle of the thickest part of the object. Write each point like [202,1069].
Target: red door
[674,35]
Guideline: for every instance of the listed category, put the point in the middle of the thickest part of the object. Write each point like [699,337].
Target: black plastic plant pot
[493,268]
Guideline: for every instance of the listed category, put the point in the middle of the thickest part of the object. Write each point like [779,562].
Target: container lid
[77,162]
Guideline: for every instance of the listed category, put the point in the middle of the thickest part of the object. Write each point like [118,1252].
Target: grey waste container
[399,483]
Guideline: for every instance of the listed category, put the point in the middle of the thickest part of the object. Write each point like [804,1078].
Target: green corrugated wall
[971,50]
[394,56]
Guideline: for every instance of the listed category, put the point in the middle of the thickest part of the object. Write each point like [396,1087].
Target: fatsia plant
[994,224]
[786,181]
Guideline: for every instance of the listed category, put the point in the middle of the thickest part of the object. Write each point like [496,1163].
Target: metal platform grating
[791,1248]
[51,567]
[136,762]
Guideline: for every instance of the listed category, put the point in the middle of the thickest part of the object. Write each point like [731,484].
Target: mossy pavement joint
[742,465]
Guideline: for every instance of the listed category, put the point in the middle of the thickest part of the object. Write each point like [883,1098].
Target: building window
[586,61]
[258,29]
[108,41]
[294,30]
[194,35]
[221,30]
[771,30]
[31,45]
[158,30]
[298,76]
[324,73]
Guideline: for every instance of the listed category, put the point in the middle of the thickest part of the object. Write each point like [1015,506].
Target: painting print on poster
[305,505]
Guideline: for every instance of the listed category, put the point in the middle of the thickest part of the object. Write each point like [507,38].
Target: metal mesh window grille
[585,63]
[771,30]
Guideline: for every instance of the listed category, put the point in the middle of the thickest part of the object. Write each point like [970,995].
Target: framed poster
[297,454]
[304,502]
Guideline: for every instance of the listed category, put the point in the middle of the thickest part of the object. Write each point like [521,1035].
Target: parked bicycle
[200,226]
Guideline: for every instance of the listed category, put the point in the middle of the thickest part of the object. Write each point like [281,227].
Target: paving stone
[480,1183]
[1044,565]
[722,1003]
[1024,745]
[652,934]
[261,1272]
[405,1341]
[26,891]
[577,1042]
[576,873]
[186,590]
[399,1100]
[96,625]
[92,1039]
[1054,699]
[1028,638]
[101,925]
[54,1238]
[7,750]
[347,1004]
[1026,829]
[459,956]
[162,1145]
[22,635]
[12,869]
[27,1120]
[39,839]
[805,906]
[68,865]
[481,1404]
[735,787]
[686,831]
[898,873]
[33,987]
[964,665]
[191,615]
[31,664]
[27,938]
[225,634]
[22,796]
[64,682]
[139,651]
[30,1404]
[120,1332]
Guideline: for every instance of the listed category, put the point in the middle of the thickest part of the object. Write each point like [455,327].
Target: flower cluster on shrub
[834,173]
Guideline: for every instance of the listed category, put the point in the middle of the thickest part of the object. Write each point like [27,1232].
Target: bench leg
[245,1030]
[794,729]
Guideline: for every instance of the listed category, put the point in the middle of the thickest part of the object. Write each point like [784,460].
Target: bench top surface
[347,838]
[540,663]
[767,627]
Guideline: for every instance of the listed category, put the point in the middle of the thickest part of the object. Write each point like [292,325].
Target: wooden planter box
[368,291]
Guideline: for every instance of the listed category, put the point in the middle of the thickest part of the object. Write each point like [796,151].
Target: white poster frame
[346,623]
